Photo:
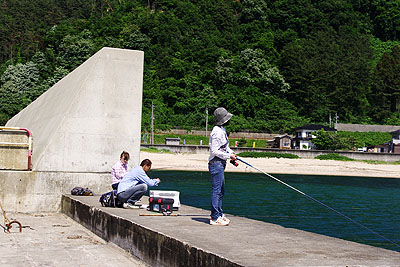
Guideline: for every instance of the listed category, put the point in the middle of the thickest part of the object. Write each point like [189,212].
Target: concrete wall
[366,128]
[13,157]
[153,247]
[339,127]
[306,154]
[231,135]
[88,118]
[79,127]
[32,192]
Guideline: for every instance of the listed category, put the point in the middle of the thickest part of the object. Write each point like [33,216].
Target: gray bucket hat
[221,116]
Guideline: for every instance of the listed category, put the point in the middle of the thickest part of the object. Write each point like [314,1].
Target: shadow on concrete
[202,220]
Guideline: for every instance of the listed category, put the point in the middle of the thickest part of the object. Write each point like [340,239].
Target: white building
[304,135]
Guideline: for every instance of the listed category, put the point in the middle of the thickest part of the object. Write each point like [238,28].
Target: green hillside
[275,65]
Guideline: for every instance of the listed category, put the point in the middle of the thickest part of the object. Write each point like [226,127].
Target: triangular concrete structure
[88,118]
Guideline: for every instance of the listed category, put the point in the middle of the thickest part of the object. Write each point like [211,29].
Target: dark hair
[226,123]
[125,155]
[146,162]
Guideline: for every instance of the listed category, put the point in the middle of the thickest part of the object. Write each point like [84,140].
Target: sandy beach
[198,162]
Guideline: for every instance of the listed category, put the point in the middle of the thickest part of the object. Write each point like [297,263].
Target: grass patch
[380,162]
[243,142]
[333,156]
[155,150]
[267,155]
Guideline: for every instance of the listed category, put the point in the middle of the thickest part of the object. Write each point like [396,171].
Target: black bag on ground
[80,191]
[110,199]
[161,205]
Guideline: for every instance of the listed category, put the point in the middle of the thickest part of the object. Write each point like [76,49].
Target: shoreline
[199,162]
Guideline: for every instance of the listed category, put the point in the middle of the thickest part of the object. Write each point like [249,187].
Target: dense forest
[275,65]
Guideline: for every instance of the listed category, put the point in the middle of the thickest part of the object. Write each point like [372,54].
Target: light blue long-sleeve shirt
[135,176]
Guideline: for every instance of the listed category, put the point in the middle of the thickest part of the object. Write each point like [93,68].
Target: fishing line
[319,202]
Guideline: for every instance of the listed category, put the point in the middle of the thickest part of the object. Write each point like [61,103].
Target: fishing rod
[319,202]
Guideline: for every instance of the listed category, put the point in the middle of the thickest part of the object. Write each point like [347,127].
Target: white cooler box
[167,194]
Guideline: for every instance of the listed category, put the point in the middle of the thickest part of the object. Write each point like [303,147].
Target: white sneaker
[130,206]
[219,221]
[225,219]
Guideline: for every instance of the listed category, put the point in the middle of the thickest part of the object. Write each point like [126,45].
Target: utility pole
[336,117]
[330,120]
[206,118]
[152,123]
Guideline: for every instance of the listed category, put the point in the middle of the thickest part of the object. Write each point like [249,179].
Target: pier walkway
[188,239]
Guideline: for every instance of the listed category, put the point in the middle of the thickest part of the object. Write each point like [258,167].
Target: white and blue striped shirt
[219,144]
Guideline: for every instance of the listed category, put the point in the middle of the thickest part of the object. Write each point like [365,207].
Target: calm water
[373,202]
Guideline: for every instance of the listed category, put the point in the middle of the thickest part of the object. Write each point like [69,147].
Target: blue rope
[319,202]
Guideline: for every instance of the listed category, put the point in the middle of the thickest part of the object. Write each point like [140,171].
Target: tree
[272,63]
[253,10]
[251,68]
[388,70]
[75,49]
[379,48]
[386,89]
[386,17]
[329,72]
[16,82]
[332,141]
[132,38]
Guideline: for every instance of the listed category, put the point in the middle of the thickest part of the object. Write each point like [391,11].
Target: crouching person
[134,185]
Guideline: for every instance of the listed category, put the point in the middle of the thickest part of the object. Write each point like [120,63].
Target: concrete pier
[188,239]
[54,240]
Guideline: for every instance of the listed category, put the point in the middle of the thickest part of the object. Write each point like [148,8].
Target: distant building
[304,135]
[395,142]
[393,146]
[283,142]
[384,148]
[172,141]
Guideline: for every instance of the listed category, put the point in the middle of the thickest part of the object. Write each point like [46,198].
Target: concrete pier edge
[189,240]
[152,247]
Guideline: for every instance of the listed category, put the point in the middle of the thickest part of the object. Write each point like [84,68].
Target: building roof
[283,136]
[315,127]
[395,132]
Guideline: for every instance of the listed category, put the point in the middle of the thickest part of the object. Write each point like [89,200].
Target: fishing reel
[234,163]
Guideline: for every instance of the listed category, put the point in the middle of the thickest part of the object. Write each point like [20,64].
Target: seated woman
[119,169]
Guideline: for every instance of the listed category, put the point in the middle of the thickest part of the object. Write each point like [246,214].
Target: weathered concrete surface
[56,240]
[88,118]
[31,192]
[188,240]
[12,155]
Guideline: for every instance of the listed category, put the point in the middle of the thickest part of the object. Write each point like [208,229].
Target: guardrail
[16,144]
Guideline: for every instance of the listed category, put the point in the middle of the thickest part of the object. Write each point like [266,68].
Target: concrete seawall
[305,154]
[188,239]
[33,192]
[149,245]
